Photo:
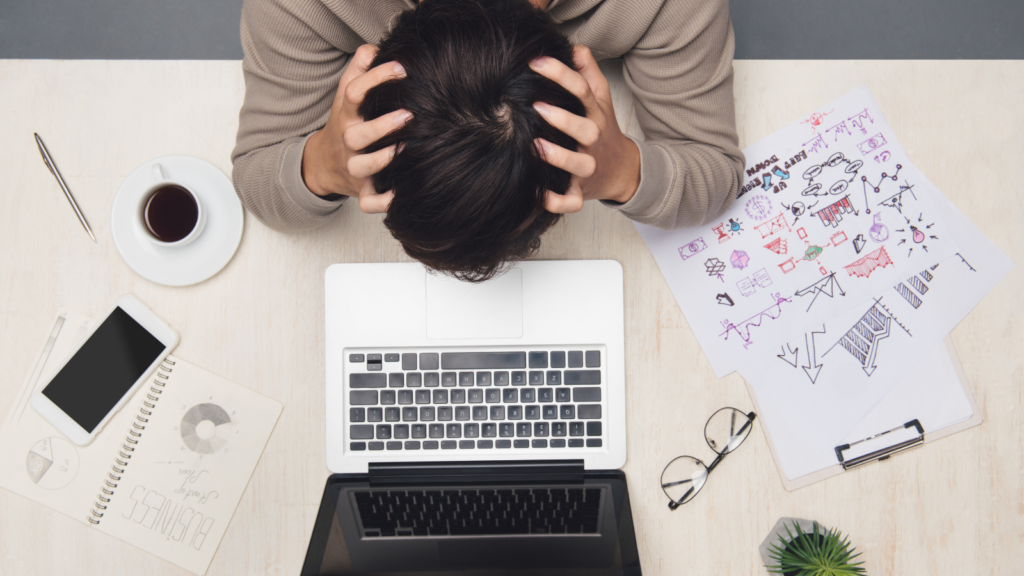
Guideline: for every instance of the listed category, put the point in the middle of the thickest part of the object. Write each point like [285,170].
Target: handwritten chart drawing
[838,238]
[790,357]
[896,200]
[815,144]
[966,263]
[927,275]
[857,121]
[812,253]
[838,129]
[832,215]
[778,245]
[916,235]
[52,463]
[759,207]
[692,248]
[918,285]
[878,187]
[908,295]
[813,368]
[797,209]
[724,299]
[828,286]
[876,141]
[748,286]
[742,329]
[739,259]
[723,236]
[829,170]
[862,340]
[787,266]
[773,226]
[203,428]
[868,264]
[816,119]
[714,267]
[879,232]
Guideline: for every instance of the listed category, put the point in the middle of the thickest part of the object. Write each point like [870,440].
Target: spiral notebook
[167,471]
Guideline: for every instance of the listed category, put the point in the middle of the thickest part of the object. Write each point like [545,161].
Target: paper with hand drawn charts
[832,213]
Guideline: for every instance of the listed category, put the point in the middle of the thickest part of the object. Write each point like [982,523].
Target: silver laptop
[424,368]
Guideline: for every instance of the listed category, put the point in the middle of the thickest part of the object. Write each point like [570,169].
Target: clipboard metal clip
[882,453]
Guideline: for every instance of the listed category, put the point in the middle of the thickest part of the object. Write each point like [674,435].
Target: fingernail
[400,69]
[402,117]
[538,62]
[541,107]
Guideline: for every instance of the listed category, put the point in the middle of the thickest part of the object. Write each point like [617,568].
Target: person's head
[468,181]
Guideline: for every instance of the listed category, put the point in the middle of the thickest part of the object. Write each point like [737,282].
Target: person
[324,118]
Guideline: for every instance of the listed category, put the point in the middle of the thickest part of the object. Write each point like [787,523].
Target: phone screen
[103,369]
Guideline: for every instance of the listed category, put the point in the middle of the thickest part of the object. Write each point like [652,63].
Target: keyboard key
[537,360]
[593,428]
[458,396]
[431,379]
[575,359]
[465,378]
[375,445]
[412,445]
[387,397]
[367,381]
[593,442]
[427,414]
[558,428]
[374,414]
[396,380]
[462,413]
[576,443]
[423,396]
[401,431]
[391,357]
[590,394]
[554,378]
[409,414]
[540,429]
[471,430]
[376,367]
[405,397]
[430,445]
[476,396]
[540,444]
[515,412]
[355,446]
[532,412]
[392,414]
[414,380]
[501,378]
[521,443]
[440,396]
[492,396]
[479,413]
[528,395]
[483,378]
[503,444]
[444,413]
[449,445]
[374,357]
[575,429]
[485,444]
[482,360]
[567,412]
[453,431]
[437,430]
[589,411]
[506,430]
[563,394]
[510,396]
[523,430]
[357,414]
[361,431]
[356,358]
[419,430]
[428,361]
[466,444]
[497,413]
[550,412]
[558,359]
[383,431]
[448,379]
[536,378]
[489,430]
[593,358]
[558,443]
[362,397]
[519,378]
[409,361]
[545,394]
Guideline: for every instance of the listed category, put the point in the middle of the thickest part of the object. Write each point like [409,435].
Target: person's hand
[607,164]
[331,162]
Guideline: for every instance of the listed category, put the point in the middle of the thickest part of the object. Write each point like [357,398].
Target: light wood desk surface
[955,507]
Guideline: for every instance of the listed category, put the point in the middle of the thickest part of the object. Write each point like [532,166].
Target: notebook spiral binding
[124,455]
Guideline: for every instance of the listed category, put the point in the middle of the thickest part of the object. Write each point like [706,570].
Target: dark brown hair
[469,182]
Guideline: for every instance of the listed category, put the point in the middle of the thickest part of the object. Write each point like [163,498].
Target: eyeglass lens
[683,478]
[726,430]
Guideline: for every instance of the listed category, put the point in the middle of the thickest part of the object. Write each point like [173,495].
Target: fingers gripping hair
[469,183]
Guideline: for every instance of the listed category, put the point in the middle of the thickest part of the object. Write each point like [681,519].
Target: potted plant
[804,548]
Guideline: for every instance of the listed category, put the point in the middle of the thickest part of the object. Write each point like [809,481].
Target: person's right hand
[331,162]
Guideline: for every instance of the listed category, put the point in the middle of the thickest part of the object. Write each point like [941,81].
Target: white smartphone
[110,364]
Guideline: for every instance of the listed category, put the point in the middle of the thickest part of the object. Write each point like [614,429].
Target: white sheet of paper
[833,213]
[826,381]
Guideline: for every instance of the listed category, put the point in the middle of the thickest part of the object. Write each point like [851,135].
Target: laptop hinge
[505,471]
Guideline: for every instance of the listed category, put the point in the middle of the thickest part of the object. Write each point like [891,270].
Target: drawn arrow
[812,359]
[721,278]
[794,353]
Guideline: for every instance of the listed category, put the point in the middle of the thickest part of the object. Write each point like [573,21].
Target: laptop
[424,368]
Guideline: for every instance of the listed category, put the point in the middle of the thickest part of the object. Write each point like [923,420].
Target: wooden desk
[953,508]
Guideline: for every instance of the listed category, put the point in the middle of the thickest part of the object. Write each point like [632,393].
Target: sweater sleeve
[680,73]
[292,66]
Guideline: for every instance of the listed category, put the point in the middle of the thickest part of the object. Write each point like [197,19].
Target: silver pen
[63,186]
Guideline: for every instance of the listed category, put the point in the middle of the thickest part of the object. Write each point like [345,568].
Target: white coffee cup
[160,181]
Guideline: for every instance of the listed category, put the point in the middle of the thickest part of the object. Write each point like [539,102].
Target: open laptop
[424,368]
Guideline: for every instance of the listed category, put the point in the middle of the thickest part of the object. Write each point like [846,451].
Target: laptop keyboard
[528,399]
[483,512]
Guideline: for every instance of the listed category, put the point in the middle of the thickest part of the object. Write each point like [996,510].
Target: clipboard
[843,460]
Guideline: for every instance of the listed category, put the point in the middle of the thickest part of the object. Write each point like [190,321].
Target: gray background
[765,29]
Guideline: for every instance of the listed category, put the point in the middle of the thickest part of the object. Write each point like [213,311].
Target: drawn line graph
[742,329]
[862,340]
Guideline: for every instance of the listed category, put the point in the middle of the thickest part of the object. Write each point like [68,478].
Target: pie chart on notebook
[52,463]
[204,428]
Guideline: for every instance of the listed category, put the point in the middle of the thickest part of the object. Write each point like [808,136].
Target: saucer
[193,262]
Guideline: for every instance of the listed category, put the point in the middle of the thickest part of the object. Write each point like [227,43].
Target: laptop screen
[475,529]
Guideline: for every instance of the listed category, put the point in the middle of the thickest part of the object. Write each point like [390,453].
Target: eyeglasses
[684,476]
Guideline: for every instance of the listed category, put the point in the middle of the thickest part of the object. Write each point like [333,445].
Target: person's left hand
[607,164]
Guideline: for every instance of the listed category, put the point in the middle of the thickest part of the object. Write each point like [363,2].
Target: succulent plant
[814,554]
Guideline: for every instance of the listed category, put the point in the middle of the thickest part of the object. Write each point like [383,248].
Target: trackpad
[493,309]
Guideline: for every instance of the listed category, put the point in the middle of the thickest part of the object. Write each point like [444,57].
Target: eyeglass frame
[673,504]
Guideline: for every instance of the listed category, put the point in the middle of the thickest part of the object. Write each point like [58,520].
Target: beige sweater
[677,61]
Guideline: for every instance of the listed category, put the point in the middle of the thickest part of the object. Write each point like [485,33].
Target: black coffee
[171,213]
